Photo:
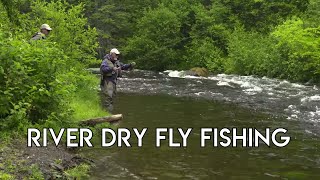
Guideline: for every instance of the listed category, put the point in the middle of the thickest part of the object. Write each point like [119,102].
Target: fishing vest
[38,36]
[111,65]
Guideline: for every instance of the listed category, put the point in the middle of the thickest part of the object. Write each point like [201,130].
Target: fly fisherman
[44,31]
[110,69]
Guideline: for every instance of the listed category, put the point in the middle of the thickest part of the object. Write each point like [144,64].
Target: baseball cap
[45,26]
[114,50]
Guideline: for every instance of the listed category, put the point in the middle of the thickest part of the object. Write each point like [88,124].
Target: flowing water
[171,100]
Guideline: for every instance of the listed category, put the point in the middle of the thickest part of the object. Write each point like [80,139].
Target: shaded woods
[278,39]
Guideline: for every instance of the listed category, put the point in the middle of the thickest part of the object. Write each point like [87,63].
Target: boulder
[197,71]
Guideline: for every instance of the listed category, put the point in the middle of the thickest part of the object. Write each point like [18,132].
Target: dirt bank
[49,162]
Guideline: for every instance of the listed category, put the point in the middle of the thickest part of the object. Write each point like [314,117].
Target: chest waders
[108,86]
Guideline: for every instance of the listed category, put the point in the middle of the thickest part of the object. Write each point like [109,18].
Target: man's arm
[126,66]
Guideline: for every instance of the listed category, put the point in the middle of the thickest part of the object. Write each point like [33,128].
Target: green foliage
[5,176]
[203,53]
[153,46]
[70,28]
[211,23]
[36,174]
[78,172]
[300,49]
[112,24]
[29,82]
[84,98]
[9,7]
[253,54]
[262,15]
[298,175]
[311,16]
[5,24]
[184,34]
[208,43]
[115,20]
[40,78]
[290,52]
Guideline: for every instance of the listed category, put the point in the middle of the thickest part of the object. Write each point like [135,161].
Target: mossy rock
[197,71]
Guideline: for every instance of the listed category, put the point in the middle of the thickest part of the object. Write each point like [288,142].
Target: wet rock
[75,161]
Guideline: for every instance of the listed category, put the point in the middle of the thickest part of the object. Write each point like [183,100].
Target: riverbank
[17,161]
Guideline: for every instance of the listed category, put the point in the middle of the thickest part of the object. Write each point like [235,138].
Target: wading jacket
[38,36]
[107,71]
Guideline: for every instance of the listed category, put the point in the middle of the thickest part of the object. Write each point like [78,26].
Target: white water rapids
[297,102]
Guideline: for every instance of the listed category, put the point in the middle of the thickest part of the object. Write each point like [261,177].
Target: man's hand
[133,64]
[116,69]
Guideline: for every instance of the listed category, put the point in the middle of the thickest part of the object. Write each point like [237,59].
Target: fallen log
[94,121]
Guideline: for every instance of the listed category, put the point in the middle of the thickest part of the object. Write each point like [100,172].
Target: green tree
[154,44]
[115,20]
[251,53]
[208,37]
[300,49]
[70,28]
[312,14]
[10,8]
[263,15]
[38,78]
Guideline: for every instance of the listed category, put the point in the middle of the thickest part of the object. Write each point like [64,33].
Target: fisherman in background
[110,71]
[44,31]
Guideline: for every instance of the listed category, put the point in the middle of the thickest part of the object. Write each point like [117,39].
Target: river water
[171,99]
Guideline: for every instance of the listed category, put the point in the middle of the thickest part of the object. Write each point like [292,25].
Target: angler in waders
[110,70]
[44,31]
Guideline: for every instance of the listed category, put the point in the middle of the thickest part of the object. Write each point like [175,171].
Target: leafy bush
[300,49]
[153,47]
[38,79]
[78,172]
[30,84]
[203,53]
[252,53]
[70,29]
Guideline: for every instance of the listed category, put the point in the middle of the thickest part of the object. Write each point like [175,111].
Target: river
[171,99]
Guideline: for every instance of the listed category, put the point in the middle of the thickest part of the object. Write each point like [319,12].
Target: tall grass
[86,105]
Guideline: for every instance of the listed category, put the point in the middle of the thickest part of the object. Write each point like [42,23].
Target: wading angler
[110,69]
